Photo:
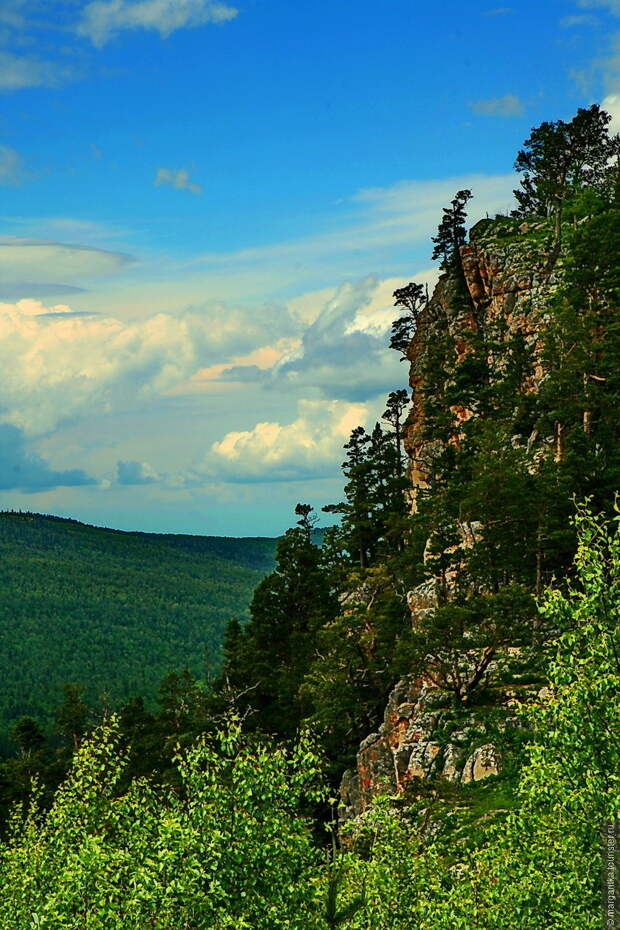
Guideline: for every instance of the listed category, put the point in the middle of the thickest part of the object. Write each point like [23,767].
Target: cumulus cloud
[42,259]
[102,20]
[221,330]
[309,447]
[57,365]
[133,473]
[177,178]
[25,470]
[60,366]
[611,103]
[343,351]
[508,105]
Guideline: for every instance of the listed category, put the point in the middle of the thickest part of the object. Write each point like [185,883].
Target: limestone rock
[483,762]
[450,759]
[422,600]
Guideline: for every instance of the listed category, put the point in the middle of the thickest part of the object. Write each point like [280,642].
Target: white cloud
[57,365]
[23,259]
[607,65]
[11,165]
[29,307]
[343,352]
[611,103]
[19,71]
[178,178]
[221,330]
[15,290]
[612,5]
[309,447]
[377,315]
[508,105]
[11,14]
[104,19]
[62,228]
[568,22]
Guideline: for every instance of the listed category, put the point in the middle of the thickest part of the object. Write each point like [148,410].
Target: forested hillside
[418,724]
[113,611]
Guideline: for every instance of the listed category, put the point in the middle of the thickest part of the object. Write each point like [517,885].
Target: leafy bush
[227,849]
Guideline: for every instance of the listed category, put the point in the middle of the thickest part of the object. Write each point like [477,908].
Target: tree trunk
[559,441]
[587,422]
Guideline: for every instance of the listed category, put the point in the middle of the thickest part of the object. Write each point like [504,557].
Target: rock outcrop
[423,735]
[509,283]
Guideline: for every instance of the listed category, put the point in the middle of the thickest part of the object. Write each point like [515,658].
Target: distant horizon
[116,529]
[198,256]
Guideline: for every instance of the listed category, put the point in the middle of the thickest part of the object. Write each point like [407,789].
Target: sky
[205,208]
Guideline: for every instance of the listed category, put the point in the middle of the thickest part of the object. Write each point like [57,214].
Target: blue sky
[205,209]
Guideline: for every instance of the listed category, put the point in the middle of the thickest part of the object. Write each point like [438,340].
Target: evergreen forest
[113,612]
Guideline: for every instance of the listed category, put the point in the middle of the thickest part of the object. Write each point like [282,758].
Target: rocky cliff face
[422,735]
[509,284]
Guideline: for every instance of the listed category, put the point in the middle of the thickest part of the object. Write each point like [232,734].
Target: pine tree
[267,661]
[411,298]
[557,160]
[397,403]
[451,233]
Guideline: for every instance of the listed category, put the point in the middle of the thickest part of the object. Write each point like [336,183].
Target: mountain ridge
[112,609]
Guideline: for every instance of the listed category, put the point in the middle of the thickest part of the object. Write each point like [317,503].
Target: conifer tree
[559,158]
[411,298]
[267,661]
[451,233]
[397,403]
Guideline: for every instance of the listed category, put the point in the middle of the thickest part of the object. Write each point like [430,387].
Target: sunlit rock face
[423,736]
[509,281]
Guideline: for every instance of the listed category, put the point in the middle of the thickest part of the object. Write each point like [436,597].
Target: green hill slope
[113,610]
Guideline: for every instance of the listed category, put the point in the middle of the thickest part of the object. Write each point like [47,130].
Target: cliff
[502,290]
[508,281]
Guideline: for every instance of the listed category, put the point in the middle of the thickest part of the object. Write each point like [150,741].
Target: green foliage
[353,669]
[456,644]
[227,849]
[411,299]
[582,348]
[374,508]
[165,823]
[537,865]
[560,158]
[504,453]
[113,610]
[267,661]
[452,233]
